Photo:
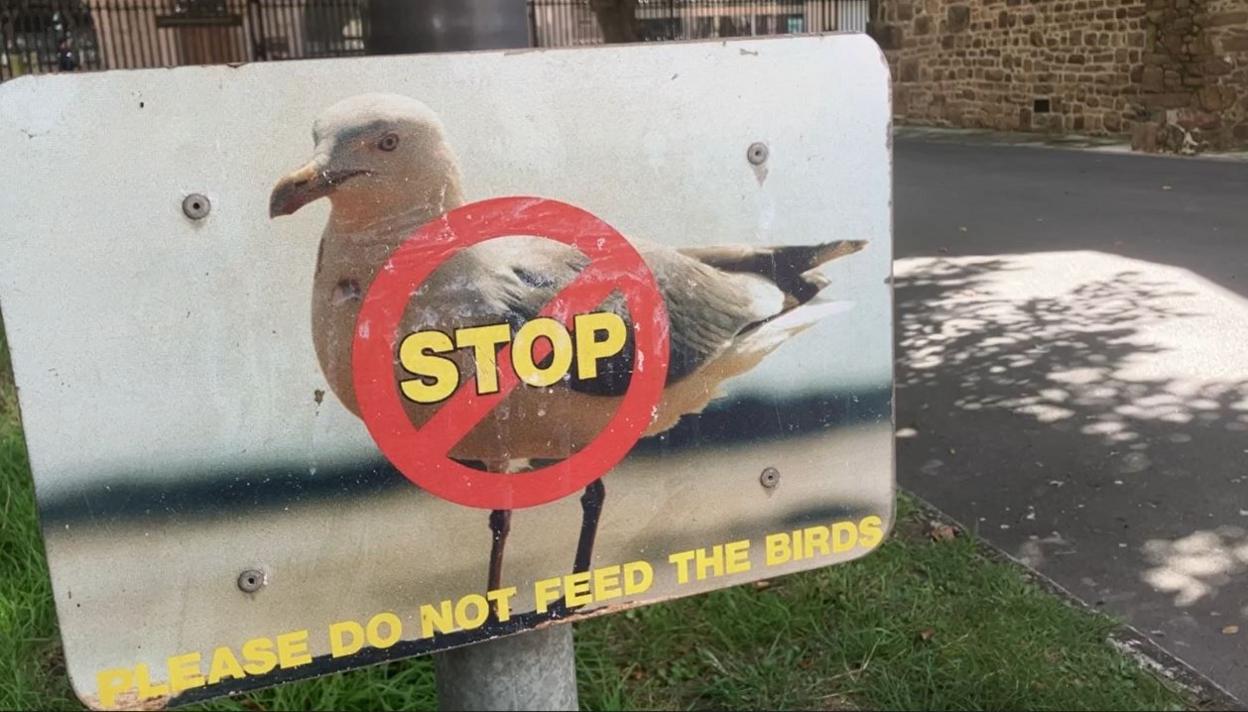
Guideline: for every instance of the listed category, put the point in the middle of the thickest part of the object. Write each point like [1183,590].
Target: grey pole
[403,26]
[527,671]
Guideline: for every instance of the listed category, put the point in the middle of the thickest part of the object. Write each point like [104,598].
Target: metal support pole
[535,670]
[527,671]
[403,26]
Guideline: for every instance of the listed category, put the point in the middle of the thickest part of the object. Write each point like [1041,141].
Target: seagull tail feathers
[796,269]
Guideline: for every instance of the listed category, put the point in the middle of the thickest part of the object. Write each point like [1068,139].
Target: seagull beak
[299,188]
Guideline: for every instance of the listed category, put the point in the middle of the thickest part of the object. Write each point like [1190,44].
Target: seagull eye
[389,142]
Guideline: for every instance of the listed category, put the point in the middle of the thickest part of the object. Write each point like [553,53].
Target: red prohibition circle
[422,454]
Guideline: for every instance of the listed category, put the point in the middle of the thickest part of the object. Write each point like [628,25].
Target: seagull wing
[512,279]
[712,295]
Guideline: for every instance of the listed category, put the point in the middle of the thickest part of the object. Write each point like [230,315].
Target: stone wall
[1193,82]
[1173,73]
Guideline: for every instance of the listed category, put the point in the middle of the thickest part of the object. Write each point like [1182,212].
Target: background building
[38,36]
[1172,73]
[574,22]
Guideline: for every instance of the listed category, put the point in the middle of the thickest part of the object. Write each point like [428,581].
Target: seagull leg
[500,526]
[591,510]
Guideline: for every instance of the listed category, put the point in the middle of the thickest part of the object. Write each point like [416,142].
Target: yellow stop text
[424,354]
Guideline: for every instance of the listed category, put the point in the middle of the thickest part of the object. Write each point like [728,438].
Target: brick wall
[1173,73]
[1193,82]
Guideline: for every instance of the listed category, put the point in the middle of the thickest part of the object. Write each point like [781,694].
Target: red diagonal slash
[421,454]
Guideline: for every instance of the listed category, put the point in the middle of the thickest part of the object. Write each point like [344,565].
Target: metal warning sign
[516,338]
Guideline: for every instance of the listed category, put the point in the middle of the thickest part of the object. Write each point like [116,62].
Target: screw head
[757,153]
[196,206]
[251,580]
[770,478]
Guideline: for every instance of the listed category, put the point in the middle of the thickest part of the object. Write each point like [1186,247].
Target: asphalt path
[1072,335]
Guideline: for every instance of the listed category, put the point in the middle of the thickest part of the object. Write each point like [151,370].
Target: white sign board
[330,362]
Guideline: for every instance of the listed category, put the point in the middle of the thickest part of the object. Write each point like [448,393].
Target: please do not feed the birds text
[610,584]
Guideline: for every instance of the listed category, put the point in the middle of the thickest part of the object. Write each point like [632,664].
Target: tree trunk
[618,20]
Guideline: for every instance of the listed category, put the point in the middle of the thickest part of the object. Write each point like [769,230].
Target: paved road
[1073,374]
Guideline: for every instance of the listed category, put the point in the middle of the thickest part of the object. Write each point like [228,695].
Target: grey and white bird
[385,165]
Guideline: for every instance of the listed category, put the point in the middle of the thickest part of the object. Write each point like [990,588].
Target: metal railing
[41,36]
[561,23]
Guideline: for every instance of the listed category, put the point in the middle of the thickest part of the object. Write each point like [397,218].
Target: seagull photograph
[385,165]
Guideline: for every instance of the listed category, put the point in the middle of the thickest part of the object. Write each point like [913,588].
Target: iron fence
[559,23]
[41,36]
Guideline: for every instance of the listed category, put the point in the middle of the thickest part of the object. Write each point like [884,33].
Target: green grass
[916,625]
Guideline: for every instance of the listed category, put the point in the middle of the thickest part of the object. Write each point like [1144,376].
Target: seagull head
[374,156]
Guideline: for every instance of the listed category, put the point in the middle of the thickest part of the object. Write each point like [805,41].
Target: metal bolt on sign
[769,478]
[251,580]
[196,206]
[757,153]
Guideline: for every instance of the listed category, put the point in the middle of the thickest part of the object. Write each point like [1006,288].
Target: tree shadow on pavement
[1030,419]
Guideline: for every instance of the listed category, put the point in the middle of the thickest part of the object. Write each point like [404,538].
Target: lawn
[919,624]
